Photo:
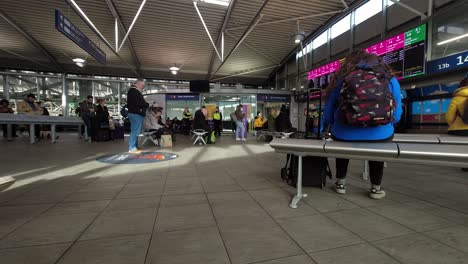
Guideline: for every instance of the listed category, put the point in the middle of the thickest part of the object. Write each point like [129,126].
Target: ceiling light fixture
[217,2]
[79,62]
[174,70]
[452,39]
[298,37]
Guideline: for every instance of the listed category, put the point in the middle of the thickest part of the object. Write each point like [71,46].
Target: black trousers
[217,127]
[375,167]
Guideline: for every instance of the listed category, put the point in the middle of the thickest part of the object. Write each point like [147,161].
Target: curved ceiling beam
[247,31]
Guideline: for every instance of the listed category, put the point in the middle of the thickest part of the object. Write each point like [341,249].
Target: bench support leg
[299,195]
[32,133]
[53,133]
[365,173]
[9,132]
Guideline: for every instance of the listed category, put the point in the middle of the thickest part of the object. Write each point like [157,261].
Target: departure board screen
[404,53]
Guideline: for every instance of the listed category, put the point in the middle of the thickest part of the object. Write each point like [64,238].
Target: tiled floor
[218,204]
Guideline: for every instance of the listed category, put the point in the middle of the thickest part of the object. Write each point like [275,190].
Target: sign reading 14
[461,60]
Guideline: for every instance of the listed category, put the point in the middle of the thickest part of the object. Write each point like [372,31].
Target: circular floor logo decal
[144,157]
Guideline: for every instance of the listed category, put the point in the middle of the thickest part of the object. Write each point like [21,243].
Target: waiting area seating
[198,134]
[414,153]
[262,134]
[150,136]
[53,121]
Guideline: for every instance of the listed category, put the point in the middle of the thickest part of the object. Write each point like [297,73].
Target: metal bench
[422,139]
[53,121]
[148,135]
[415,153]
[262,134]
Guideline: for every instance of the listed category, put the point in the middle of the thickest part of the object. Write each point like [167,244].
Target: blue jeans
[240,129]
[136,124]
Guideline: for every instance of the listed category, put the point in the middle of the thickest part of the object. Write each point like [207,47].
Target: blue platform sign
[182,97]
[449,63]
[273,98]
[65,26]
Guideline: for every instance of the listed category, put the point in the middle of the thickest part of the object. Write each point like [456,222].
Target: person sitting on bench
[282,122]
[200,122]
[363,103]
[259,122]
[153,122]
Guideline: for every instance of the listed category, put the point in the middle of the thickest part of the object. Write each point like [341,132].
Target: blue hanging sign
[273,98]
[182,97]
[449,63]
[65,26]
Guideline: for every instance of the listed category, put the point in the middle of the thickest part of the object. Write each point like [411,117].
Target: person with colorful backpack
[363,103]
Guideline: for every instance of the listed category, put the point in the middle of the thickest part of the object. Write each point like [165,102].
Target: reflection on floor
[223,203]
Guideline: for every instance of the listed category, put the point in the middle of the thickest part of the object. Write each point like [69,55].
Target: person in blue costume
[360,60]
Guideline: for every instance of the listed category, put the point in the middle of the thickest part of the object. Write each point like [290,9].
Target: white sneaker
[238,139]
[376,194]
[244,139]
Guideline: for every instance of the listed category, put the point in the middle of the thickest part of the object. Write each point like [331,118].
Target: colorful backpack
[366,100]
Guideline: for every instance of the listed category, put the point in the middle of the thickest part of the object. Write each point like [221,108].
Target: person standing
[218,122]
[363,105]
[457,113]
[30,107]
[186,121]
[240,128]
[87,114]
[136,114]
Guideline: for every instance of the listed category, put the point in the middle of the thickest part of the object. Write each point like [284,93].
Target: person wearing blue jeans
[136,125]
[137,106]
[240,129]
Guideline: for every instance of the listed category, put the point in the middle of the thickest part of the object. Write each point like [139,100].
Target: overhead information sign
[182,97]
[273,98]
[404,53]
[449,63]
[65,26]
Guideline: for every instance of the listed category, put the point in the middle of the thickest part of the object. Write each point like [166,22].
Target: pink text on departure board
[325,69]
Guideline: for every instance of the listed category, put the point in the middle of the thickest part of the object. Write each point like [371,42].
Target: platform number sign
[450,63]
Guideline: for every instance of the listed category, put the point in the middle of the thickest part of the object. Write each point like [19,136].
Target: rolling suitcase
[315,171]
[119,132]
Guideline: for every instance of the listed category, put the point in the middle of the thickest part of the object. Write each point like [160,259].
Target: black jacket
[283,123]
[199,121]
[136,104]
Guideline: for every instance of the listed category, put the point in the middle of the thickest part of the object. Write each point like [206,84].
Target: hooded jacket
[456,108]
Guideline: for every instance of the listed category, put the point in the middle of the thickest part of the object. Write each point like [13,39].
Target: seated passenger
[30,107]
[153,122]
[271,121]
[282,121]
[6,109]
[200,122]
[372,123]
[259,122]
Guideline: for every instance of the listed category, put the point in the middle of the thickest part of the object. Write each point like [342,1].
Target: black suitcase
[314,171]
[119,132]
[103,135]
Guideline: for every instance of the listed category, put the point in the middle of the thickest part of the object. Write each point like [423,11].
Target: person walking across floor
[218,122]
[137,107]
[363,103]
[457,113]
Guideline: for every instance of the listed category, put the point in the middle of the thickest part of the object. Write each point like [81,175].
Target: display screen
[404,53]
